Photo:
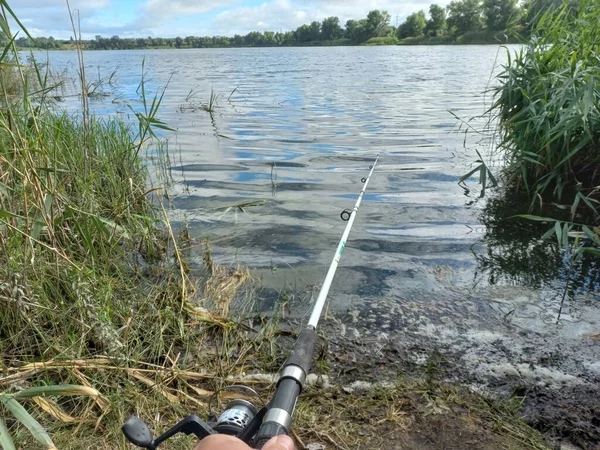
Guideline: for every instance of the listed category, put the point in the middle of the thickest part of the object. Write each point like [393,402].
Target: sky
[171,18]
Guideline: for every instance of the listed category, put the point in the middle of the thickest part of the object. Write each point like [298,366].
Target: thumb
[282,442]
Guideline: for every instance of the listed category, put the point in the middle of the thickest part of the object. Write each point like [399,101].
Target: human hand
[224,442]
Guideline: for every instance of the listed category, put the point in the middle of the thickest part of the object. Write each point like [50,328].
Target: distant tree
[498,13]
[356,31]
[178,42]
[414,26]
[41,42]
[464,16]
[253,39]
[377,24]
[115,43]
[238,41]
[3,39]
[285,39]
[350,31]
[314,31]
[331,29]
[303,34]
[436,25]
[269,39]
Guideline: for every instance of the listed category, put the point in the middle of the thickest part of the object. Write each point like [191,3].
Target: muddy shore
[504,343]
[554,372]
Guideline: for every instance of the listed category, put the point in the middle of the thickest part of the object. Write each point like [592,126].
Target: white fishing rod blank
[322,298]
[278,417]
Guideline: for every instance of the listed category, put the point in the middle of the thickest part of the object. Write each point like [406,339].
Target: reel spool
[236,417]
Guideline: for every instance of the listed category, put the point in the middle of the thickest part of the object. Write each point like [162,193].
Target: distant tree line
[459,18]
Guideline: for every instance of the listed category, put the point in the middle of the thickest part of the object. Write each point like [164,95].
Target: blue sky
[170,18]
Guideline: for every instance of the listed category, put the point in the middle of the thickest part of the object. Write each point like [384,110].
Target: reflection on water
[292,134]
[515,254]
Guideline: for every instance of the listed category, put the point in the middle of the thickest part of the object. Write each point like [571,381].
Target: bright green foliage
[548,107]
[436,25]
[385,40]
[499,14]
[464,16]
[414,26]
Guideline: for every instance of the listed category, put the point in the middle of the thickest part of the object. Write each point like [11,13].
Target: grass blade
[68,390]
[34,427]
[6,442]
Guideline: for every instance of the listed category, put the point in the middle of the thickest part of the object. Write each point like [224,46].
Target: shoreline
[405,42]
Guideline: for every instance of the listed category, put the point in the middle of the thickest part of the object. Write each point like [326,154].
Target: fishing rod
[241,418]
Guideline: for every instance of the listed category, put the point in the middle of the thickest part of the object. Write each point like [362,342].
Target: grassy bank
[471,38]
[94,293]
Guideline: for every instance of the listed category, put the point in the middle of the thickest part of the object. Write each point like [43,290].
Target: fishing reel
[241,419]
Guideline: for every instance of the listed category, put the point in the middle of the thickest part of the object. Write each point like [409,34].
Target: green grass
[485,37]
[89,265]
[426,40]
[387,40]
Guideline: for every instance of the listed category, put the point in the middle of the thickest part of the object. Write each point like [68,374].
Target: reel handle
[137,432]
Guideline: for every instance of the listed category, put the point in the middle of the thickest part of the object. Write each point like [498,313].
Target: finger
[222,442]
[282,442]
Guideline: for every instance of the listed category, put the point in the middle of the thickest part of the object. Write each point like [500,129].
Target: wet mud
[484,346]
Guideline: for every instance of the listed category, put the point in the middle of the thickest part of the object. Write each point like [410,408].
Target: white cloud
[275,15]
[40,4]
[287,15]
[157,12]
[51,17]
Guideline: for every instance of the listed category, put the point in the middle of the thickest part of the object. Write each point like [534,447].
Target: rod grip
[304,348]
[270,430]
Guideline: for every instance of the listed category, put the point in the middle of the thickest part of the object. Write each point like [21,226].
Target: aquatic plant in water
[548,110]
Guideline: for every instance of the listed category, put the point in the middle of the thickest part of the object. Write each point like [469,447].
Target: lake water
[293,132]
[298,134]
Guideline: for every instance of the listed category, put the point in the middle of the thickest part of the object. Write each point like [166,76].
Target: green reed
[548,105]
